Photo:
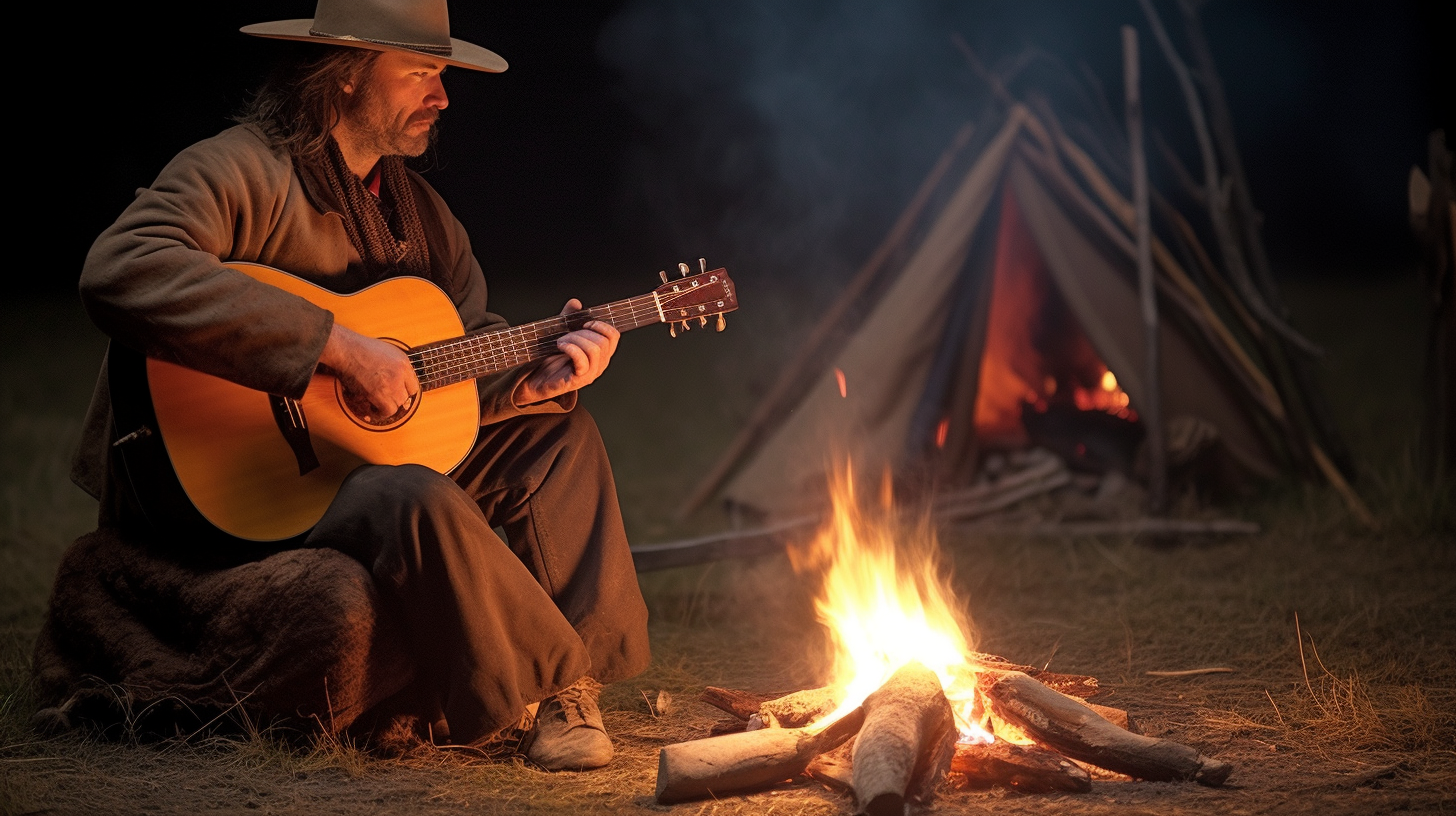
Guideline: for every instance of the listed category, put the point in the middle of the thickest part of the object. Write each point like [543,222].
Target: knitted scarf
[386,231]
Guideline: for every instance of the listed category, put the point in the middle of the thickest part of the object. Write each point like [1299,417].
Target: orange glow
[1107,397]
[1035,351]
[885,603]
[843,387]
[942,430]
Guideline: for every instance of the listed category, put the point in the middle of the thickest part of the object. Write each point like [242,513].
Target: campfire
[909,704]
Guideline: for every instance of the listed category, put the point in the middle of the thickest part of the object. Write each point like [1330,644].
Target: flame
[885,603]
[1107,396]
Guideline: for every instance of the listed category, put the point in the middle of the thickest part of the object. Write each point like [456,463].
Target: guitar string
[500,353]
[470,360]
[460,359]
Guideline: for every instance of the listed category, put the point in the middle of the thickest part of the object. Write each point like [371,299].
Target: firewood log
[1025,768]
[745,761]
[1066,725]
[741,704]
[1077,685]
[906,744]
[798,709]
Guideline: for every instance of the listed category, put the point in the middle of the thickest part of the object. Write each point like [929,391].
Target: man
[313,182]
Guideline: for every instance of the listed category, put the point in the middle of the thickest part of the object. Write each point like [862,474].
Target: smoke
[785,136]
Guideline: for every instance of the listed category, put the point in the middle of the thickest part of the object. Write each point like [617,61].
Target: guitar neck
[475,355]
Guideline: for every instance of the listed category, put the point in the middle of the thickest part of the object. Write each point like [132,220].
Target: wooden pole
[1218,210]
[1152,407]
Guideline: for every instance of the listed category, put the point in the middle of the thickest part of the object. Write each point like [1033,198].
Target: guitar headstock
[699,296]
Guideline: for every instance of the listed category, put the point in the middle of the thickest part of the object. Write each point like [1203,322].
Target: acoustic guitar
[201,451]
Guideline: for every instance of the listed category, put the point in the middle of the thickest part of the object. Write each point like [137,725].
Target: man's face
[397,104]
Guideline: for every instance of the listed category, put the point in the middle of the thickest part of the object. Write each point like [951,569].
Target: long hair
[303,98]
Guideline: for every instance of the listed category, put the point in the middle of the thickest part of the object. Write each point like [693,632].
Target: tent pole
[1152,408]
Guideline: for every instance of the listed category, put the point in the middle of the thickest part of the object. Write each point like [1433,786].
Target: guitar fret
[452,361]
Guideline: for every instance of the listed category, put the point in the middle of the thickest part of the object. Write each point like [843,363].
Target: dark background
[779,138]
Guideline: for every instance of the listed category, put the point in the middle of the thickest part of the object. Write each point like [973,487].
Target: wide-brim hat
[419,26]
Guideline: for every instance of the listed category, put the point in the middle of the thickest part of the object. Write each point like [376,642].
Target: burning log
[1025,768]
[1066,725]
[1077,685]
[906,744]
[745,761]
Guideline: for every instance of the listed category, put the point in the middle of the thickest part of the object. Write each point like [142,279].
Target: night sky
[782,138]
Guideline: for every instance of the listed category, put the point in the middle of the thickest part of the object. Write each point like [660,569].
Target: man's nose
[436,97]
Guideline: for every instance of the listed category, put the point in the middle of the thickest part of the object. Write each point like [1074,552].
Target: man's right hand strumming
[372,370]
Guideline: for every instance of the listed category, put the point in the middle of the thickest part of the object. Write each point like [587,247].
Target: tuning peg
[685,326]
[702,264]
[722,322]
[663,274]
[683,268]
[672,329]
[702,322]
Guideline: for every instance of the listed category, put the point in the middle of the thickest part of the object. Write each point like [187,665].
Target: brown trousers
[498,623]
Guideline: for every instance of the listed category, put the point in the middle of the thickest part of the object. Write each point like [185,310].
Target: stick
[1025,768]
[1217,201]
[1062,724]
[906,744]
[1191,672]
[744,761]
[1152,407]
[1131,527]
[1222,128]
[733,544]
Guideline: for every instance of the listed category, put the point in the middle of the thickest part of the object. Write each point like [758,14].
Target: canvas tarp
[887,361]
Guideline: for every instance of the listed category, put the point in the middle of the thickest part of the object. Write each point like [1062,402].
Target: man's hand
[377,374]
[584,355]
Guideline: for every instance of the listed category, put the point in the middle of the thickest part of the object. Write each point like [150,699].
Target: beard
[388,133]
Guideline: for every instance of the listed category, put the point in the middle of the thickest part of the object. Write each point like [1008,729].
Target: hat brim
[462,53]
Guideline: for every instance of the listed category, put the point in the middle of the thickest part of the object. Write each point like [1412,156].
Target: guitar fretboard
[447,362]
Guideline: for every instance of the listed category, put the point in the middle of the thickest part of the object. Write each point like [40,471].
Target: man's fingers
[572,305]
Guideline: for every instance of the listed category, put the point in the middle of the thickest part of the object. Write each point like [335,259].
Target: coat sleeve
[155,281]
[467,288]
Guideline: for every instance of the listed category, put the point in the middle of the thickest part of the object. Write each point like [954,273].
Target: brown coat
[154,281]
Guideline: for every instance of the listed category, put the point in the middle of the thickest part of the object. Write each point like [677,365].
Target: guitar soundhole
[357,408]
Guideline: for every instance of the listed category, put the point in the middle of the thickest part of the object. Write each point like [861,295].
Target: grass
[1342,641]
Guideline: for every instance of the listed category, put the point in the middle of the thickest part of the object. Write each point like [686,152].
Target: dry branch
[1025,768]
[745,761]
[1063,724]
[906,744]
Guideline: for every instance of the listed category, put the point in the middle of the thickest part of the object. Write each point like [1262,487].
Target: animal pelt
[142,640]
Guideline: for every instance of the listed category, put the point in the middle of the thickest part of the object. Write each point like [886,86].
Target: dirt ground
[1341,640]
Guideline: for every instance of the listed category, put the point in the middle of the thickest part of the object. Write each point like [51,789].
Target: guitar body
[203,452]
[250,479]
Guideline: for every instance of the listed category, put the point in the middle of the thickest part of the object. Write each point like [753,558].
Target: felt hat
[418,26]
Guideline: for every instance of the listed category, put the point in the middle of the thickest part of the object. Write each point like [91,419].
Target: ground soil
[1341,639]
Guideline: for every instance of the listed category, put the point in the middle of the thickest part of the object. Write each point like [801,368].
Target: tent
[904,373]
